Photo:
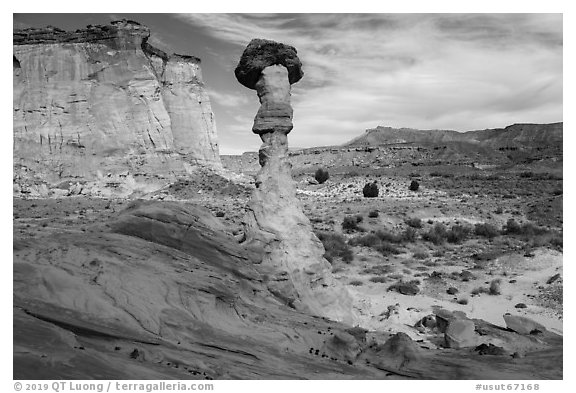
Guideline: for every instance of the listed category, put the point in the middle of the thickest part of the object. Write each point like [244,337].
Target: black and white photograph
[287,196]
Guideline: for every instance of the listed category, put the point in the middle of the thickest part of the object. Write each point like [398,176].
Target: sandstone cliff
[102,98]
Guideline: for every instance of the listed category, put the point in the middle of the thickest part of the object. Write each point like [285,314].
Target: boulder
[405,288]
[452,291]
[466,275]
[261,53]
[522,325]
[397,353]
[427,322]
[553,278]
[460,334]
[490,349]
[342,346]
[444,317]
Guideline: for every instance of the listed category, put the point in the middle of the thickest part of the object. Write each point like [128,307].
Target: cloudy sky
[430,71]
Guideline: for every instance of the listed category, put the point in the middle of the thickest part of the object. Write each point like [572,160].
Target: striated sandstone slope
[160,291]
[84,99]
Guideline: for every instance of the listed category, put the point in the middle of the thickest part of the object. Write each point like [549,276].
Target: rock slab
[460,334]
[522,325]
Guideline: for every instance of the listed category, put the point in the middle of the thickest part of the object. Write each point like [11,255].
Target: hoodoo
[276,224]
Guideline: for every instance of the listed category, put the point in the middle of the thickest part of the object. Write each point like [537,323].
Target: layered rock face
[276,224]
[84,97]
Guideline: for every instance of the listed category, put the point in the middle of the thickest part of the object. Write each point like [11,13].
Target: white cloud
[226,99]
[429,71]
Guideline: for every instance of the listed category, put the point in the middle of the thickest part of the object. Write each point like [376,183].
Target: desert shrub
[457,234]
[486,256]
[220,213]
[550,238]
[406,288]
[479,290]
[475,176]
[321,175]
[557,240]
[534,176]
[373,214]
[445,175]
[420,254]
[495,287]
[350,223]
[356,283]
[381,241]
[486,230]
[414,185]
[409,235]
[378,279]
[368,240]
[499,210]
[528,229]
[335,246]
[414,222]
[379,270]
[536,236]
[370,190]
[437,234]
[511,227]
[387,236]
[387,248]
[438,253]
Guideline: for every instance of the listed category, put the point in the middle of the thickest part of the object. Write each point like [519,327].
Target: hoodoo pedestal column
[301,277]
